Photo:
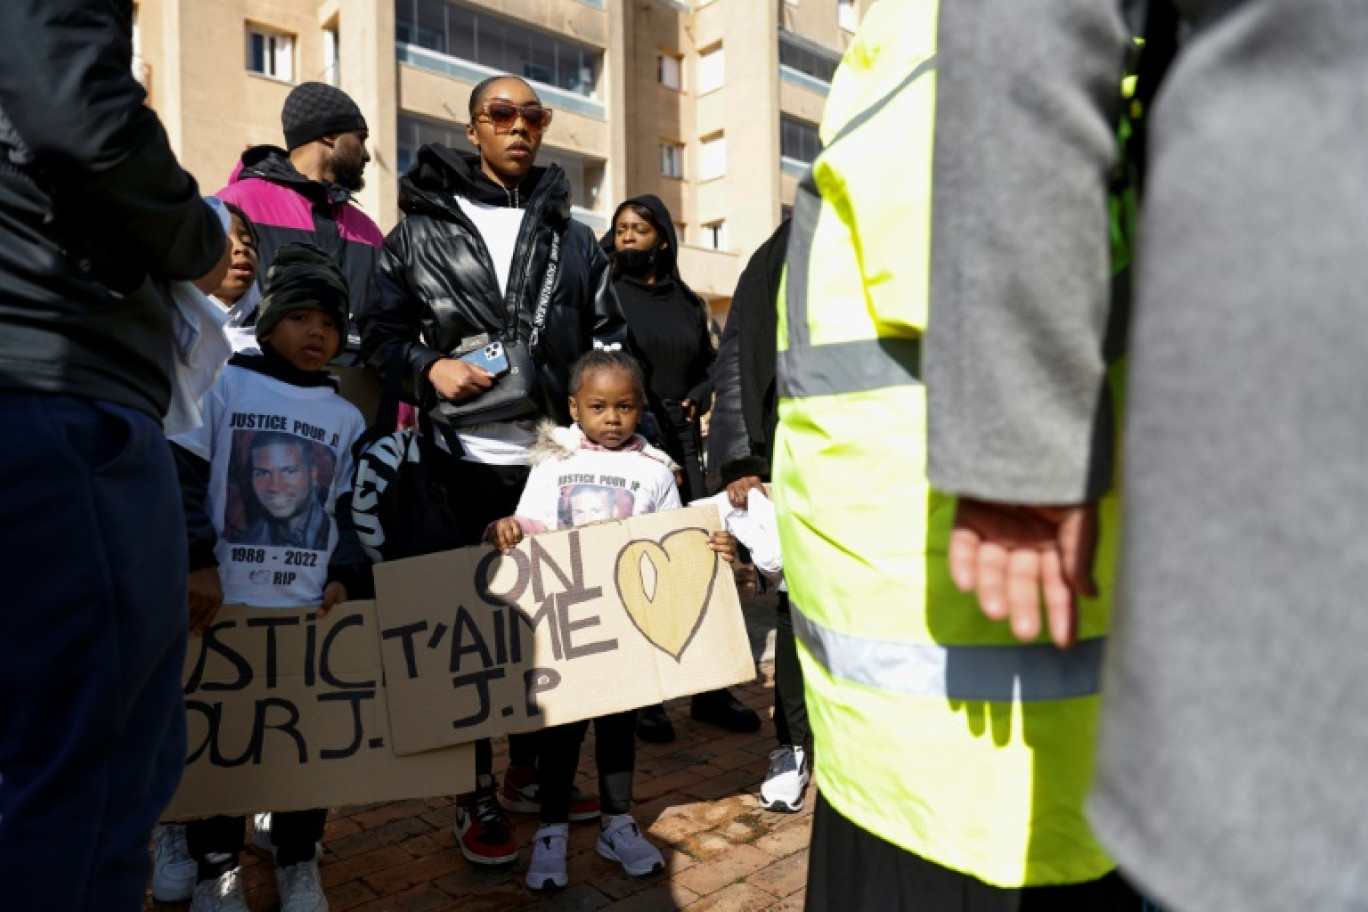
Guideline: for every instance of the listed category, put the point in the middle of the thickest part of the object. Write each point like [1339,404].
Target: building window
[667,70]
[499,44]
[807,57]
[712,157]
[715,235]
[712,70]
[270,53]
[798,140]
[846,17]
[331,54]
[671,159]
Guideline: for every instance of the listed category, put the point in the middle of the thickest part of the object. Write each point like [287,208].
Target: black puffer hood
[439,171]
[667,259]
[273,164]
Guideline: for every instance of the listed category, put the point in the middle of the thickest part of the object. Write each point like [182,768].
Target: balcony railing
[470,71]
[803,80]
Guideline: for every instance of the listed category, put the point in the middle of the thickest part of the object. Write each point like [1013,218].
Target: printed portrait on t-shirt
[581,504]
[277,483]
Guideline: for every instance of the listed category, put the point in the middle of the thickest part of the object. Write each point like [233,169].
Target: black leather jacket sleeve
[610,328]
[729,446]
[390,321]
[71,108]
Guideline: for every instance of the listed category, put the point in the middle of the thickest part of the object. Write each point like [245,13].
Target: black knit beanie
[314,110]
[302,277]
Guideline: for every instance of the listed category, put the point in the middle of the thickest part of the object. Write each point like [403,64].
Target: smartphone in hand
[491,356]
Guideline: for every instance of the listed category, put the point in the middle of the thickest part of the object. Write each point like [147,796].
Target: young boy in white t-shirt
[261,481]
[598,469]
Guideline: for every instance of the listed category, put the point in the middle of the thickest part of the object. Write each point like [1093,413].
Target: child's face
[308,339]
[242,269]
[607,407]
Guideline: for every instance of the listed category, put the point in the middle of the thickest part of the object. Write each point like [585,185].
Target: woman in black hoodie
[668,324]
[669,330]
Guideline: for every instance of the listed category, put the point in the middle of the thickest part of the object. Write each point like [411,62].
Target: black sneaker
[483,830]
[654,726]
[719,707]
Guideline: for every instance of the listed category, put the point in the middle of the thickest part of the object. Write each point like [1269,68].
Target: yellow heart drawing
[666,587]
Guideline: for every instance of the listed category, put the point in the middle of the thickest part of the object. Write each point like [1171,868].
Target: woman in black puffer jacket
[473,262]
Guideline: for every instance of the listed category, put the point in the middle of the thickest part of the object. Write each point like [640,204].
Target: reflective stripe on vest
[1001,674]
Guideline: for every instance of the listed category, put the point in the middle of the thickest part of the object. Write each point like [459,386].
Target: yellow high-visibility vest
[934,729]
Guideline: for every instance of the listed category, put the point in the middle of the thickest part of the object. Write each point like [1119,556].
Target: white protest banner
[287,712]
[568,626]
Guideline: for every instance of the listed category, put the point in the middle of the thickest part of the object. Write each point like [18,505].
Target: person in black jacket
[669,326]
[487,246]
[740,450]
[95,212]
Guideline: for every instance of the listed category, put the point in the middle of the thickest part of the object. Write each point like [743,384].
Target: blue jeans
[92,643]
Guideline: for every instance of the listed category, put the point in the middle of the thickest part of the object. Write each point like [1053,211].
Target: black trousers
[852,870]
[92,646]
[615,757]
[478,494]
[790,703]
[558,749]
[293,833]
[680,438]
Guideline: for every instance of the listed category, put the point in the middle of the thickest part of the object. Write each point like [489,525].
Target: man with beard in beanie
[303,193]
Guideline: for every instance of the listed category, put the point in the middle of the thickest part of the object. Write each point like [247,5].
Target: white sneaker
[300,888]
[621,841]
[173,870]
[547,869]
[223,894]
[786,781]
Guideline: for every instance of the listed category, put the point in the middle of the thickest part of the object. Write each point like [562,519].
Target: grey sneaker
[621,841]
[547,870]
[300,888]
[222,894]
[173,870]
[787,780]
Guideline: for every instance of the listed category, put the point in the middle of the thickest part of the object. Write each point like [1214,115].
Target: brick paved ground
[697,797]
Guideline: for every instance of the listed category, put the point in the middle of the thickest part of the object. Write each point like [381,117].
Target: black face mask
[635,263]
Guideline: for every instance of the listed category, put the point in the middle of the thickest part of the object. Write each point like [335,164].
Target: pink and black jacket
[287,206]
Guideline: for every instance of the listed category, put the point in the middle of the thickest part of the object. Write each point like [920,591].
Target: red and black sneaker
[483,830]
[519,794]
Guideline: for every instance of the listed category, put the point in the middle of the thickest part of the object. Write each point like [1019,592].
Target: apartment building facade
[712,105]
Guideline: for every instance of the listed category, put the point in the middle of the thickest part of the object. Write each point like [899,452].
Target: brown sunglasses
[505,114]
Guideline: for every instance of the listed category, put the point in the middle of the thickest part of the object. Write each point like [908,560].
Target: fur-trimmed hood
[556,442]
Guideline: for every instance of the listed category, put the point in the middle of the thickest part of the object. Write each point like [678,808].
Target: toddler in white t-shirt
[597,469]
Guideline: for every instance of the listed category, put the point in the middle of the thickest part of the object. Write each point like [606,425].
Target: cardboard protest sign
[288,712]
[568,626]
